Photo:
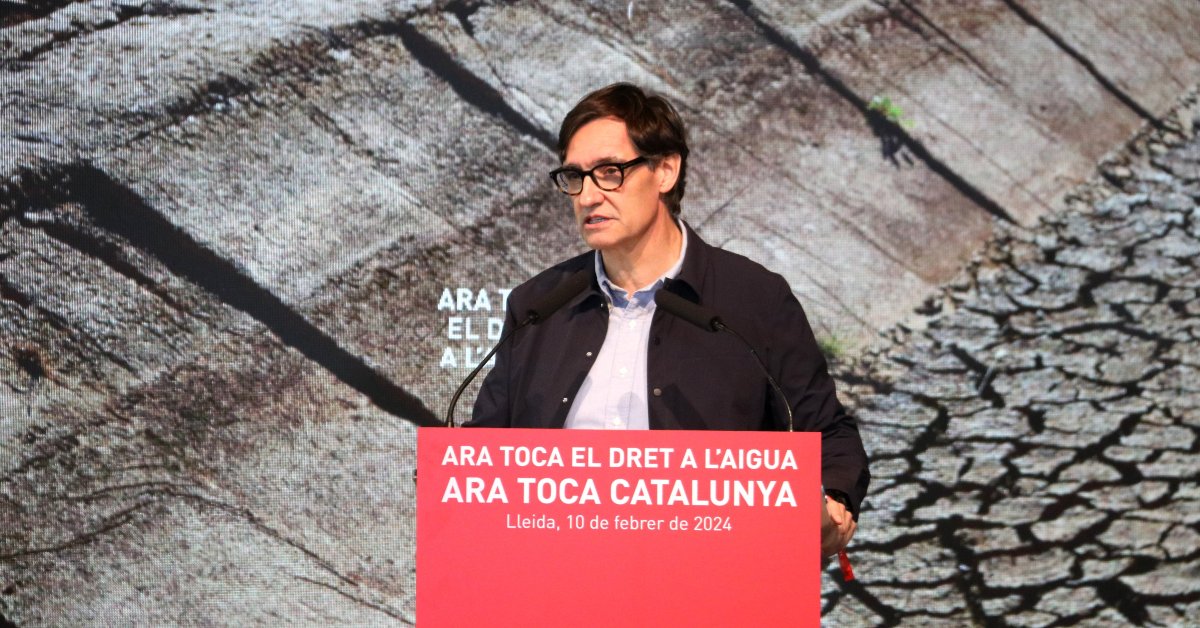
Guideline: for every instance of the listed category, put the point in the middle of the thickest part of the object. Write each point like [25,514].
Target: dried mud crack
[1034,441]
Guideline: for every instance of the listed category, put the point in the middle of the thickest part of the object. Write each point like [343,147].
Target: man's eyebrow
[609,159]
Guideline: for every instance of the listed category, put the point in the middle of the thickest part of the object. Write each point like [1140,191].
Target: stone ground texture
[1034,437]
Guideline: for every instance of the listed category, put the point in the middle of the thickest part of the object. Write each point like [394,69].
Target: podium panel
[519,527]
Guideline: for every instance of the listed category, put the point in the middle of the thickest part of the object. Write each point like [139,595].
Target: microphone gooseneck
[708,320]
[541,309]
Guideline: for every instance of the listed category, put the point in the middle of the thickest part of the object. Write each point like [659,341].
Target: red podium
[629,528]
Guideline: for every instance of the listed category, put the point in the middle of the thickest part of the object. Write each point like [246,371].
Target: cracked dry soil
[1034,441]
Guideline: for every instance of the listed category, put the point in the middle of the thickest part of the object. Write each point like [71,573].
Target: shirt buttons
[623,371]
[657,392]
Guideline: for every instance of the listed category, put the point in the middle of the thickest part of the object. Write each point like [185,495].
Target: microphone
[694,313]
[708,320]
[541,309]
[558,297]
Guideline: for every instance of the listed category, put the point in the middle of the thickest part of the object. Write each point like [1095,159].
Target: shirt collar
[643,296]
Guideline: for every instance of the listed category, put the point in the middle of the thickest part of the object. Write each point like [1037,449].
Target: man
[608,360]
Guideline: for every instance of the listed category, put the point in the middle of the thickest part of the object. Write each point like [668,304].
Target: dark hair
[653,125]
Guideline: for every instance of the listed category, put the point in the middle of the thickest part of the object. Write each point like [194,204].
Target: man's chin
[598,241]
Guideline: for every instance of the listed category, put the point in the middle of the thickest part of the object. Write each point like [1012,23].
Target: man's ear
[667,172]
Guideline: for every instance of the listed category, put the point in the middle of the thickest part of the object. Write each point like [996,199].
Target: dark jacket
[697,379]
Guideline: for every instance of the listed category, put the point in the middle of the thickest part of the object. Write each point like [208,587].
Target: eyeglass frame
[622,167]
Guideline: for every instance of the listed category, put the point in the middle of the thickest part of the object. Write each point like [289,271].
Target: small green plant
[832,346]
[890,110]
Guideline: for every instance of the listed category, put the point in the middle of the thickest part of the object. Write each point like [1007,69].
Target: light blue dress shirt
[613,396]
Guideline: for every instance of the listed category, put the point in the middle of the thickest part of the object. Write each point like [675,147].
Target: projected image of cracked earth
[227,228]
[1034,447]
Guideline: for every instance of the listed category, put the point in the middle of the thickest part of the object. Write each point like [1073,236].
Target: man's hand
[837,527]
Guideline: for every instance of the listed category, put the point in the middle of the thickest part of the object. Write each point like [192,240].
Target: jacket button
[657,392]
[589,354]
[564,399]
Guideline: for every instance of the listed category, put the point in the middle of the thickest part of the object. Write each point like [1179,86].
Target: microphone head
[693,313]
[552,301]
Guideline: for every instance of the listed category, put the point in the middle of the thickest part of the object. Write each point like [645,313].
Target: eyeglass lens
[607,177]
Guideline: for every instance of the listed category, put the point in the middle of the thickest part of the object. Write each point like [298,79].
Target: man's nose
[590,195]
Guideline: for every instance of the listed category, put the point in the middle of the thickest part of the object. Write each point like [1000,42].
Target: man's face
[616,220]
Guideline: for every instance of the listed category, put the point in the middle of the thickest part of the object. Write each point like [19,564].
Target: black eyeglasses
[607,177]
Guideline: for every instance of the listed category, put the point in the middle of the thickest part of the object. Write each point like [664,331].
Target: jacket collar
[686,284]
[692,276]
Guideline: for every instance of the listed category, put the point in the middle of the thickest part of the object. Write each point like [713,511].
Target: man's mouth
[594,220]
